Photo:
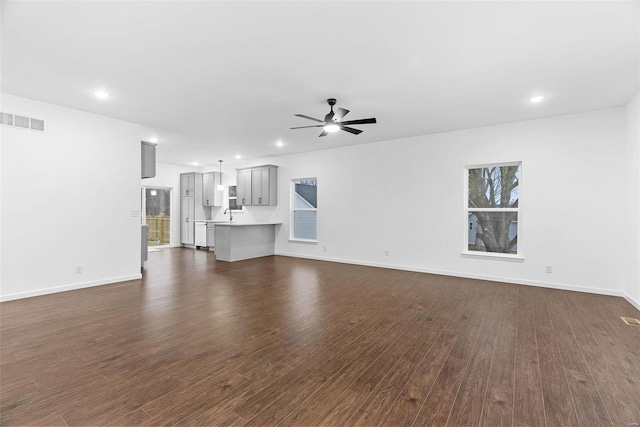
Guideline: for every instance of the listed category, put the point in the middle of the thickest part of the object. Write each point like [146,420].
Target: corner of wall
[632,113]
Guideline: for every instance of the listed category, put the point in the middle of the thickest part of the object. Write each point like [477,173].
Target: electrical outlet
[324,249]
[78,269]
[386,253]
[549,269]
[135,213]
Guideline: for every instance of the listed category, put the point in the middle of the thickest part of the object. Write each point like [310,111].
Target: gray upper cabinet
[148,159]
[243,187]
[211,196]
[258,186]
[187,184]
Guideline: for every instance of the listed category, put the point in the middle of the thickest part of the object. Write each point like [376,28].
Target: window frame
[293,209]
[229,198]
[518,256]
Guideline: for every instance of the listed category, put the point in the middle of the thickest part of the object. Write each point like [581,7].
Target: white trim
[64,288]
[631,301]
[494,255]
[493,209]
[511,280]
[303,240]
[160,187]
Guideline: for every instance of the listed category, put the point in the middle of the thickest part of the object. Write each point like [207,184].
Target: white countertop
[235,224]
[243,224]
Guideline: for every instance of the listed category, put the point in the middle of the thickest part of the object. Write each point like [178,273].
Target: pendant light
[220,186]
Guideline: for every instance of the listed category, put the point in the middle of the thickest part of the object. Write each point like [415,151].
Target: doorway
[156,204]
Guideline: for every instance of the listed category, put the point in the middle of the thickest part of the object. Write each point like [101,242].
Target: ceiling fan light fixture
[101,94]
[331,127]
[333,121]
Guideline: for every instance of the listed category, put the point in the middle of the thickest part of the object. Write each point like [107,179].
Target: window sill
[496,256]
[303,240]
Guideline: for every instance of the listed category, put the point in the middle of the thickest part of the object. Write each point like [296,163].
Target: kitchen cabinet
[148,157]
[211,196]
[200,234]
[187,218]
[237,241]
[191,208]
[211,237]
[243,187]
[258,186]
[188,183]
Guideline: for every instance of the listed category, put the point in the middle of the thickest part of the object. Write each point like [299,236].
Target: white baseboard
[632,301]
[551,285]
[71,287]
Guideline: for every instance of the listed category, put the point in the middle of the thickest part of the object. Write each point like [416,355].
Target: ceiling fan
[333,121]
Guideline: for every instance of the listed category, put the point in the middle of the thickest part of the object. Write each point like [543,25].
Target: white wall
[406,196]
[67,200]
[633,198]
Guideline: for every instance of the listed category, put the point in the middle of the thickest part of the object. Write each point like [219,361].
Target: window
[304,209]
[493,209]
[233,199]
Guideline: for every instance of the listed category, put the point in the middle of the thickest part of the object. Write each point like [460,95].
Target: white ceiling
[212,79]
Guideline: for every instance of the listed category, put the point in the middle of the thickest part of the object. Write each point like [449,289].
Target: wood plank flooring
[286,342]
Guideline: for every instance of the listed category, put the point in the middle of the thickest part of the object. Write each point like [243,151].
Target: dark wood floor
[282,341]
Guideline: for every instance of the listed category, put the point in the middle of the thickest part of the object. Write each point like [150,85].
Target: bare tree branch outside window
[493,208]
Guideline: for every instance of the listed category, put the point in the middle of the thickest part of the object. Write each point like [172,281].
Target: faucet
[230,214]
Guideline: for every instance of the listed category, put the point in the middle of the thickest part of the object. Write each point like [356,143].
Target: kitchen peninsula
[237,241]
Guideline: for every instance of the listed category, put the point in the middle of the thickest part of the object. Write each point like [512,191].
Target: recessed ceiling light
[194,164]
[280,143]
[154,140]
[536,99]
[101,94]
[238,156]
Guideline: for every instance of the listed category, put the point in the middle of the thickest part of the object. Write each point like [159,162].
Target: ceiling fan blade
[340,114]
[324,133]
[310,118]
[351,130]
[312,126]
[360,121]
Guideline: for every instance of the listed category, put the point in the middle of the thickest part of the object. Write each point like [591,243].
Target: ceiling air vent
[22,122]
